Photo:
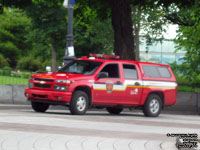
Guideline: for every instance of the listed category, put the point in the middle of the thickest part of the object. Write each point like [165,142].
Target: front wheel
[152,106]
[39,107]
[79,103]
[114,110]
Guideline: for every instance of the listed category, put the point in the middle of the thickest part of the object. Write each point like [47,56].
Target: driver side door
[105,87]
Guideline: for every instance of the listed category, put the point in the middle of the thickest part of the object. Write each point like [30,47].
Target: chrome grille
[42,79]
[42,85]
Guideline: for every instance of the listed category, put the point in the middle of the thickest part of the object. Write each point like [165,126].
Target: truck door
[132,83]
[105,86]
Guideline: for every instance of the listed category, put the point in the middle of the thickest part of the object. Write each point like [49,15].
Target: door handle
[118,83]
[137,83]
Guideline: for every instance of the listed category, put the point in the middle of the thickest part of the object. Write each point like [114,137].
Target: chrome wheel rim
[154,106]
[81,103]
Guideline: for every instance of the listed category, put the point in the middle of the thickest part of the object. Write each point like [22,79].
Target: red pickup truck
[104,82]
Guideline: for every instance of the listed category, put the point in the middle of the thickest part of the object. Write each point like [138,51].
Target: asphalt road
[23,129]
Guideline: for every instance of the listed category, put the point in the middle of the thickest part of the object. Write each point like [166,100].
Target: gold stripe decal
[109,86]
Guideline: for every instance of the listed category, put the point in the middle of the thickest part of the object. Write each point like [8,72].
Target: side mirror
[102,75]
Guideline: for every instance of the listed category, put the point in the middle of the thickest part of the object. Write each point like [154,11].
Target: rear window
[156,71]
[129,71]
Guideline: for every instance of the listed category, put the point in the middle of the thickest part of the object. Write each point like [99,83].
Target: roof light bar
[105,56]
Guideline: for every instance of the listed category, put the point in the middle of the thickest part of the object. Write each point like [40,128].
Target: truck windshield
[81,67]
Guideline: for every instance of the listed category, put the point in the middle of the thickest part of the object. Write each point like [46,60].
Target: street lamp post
[69,51]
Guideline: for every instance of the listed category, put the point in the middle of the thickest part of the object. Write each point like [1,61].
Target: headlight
[63,81]
[60,88]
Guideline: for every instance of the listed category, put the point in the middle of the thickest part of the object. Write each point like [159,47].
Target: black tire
[152,106]
[79,103]
[114,110]
[39,107]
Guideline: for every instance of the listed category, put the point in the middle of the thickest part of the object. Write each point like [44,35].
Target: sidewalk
[23,129]
[15,140]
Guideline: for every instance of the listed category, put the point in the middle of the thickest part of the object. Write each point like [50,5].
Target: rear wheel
[152,107]
[79,103]
[39,107]
[114,110]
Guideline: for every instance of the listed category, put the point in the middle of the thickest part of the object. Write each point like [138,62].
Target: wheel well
[161,95]
[87,90]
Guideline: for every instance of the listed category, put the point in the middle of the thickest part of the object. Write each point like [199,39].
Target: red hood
[61,76]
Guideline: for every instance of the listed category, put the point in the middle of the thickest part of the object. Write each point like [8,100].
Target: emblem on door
[109,86]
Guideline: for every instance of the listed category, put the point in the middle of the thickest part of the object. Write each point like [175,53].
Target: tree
[49,18]
[187,16]
[46,13]
[148,17]
[13,30]
[123,28]
[4,62]
[120,13]
[92,34]
[1,8]
[145,11]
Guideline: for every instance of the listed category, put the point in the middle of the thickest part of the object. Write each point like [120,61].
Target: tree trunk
[137,44]
[54,67]
[137,13]
[123,29]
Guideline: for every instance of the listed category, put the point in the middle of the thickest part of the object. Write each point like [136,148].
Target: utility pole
[69,51]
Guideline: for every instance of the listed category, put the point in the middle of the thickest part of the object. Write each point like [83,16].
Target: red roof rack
[105,56]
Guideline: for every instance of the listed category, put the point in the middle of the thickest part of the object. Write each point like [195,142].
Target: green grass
[5,80]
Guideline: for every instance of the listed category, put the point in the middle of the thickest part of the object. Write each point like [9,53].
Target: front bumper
[48,96]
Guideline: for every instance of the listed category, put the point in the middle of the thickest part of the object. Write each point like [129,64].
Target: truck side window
[112,70]
[130,71]
[156,71]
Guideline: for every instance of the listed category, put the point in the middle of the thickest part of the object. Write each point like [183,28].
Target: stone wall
[186,101]
[12,94]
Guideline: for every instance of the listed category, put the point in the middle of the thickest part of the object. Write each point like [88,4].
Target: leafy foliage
[151,19]
[91,34]
[49,19]
[23,37]
[13,28]
[149,22]
[29,63]
[188,18]
[15,3]
[184,75]
[3,61]
[187,81]
[33,36]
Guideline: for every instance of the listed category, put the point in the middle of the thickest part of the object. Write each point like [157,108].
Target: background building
[161,52]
